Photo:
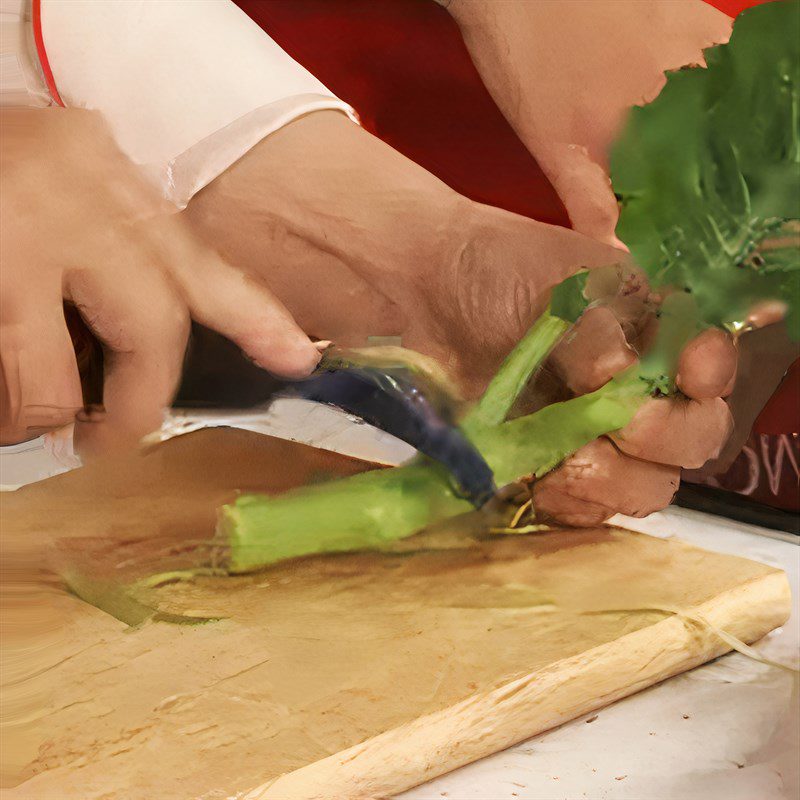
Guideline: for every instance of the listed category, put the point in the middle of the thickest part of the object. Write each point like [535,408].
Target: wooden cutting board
[354,676]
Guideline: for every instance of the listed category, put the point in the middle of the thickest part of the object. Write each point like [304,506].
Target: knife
[392,398]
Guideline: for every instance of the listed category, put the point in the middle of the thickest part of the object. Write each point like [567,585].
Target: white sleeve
[187,86]
[21,83]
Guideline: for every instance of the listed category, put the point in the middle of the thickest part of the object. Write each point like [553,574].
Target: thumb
[585,190]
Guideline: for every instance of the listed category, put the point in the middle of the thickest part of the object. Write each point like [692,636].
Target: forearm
[568,72]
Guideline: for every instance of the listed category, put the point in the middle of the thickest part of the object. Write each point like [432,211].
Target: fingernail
[766,313]
[323,345]
[296,359]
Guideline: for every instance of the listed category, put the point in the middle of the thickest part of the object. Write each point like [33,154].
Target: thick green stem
[366,511]
[515,372]
[535,444]
[370,510]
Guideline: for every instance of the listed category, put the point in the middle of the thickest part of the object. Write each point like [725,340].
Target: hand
[565,77]
[359,241]
[368,243]
[566,74]
[636,470]
[79,224]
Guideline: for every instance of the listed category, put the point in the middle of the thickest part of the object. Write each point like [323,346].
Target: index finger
[144,327]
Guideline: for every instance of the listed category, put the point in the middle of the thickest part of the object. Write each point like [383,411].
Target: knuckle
[655,496]
[495,308]
[486,308]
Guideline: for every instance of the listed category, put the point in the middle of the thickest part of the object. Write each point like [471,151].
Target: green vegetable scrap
[709,181]
[118,600]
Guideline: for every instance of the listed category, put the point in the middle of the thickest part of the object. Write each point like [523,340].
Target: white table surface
[729,730]
[741,740]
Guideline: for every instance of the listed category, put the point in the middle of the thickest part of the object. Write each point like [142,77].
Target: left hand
[636,470]
[554,71]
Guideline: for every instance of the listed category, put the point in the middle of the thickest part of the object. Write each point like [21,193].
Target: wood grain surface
[354,676]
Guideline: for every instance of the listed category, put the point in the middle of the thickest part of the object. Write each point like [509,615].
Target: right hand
[79,224]
[636,470]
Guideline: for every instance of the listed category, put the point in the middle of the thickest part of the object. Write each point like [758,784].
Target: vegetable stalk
[369,510]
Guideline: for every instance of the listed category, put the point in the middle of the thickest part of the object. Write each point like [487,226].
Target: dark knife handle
[217,376]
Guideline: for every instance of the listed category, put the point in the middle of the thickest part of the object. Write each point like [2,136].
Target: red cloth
[734,7]
[782,413]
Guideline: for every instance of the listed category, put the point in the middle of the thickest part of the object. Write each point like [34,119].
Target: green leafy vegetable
[372,509]
[709,173]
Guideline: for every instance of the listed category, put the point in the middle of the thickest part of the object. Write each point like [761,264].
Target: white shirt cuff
[186,87]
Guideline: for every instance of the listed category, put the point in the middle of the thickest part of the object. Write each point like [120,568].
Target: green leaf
[568,300]
[677,324]
[709,173]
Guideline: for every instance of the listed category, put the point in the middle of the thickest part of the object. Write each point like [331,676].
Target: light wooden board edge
[488,722]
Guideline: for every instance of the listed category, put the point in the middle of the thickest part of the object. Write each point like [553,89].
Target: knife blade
[393,399]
